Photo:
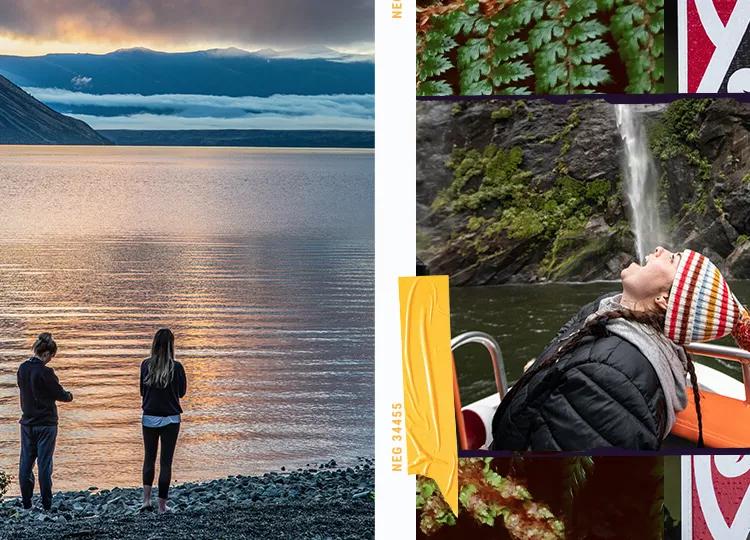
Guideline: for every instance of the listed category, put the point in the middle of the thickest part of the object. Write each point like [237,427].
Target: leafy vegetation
[486,496]
[550,498]
[675,136]
[482,47]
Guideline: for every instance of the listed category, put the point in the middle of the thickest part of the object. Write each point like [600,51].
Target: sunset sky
[89,89]
[37,27]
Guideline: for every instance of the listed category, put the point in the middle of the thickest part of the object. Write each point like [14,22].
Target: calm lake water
[524,319]
[261,262]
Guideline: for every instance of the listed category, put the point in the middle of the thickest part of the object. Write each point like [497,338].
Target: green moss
[582,257]
[746,178]
[672,135]
[491,188]
[456,109]
[573,121]
[503,113]
[741,239]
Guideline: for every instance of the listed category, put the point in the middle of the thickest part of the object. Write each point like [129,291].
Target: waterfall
[640,181]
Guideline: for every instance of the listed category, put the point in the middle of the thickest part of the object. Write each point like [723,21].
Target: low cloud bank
[188,111]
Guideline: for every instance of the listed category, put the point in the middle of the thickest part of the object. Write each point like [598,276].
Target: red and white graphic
[715,497]
[714,46]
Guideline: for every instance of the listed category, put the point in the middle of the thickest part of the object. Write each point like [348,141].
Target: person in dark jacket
[615,375]
[163,383]
[39,389]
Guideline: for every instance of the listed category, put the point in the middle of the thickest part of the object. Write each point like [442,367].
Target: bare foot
[163,508]
[146,507]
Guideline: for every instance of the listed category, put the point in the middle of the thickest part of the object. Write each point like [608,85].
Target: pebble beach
[318,501]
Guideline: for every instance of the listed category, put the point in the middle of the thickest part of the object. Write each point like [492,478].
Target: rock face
[25,120]
[525,191]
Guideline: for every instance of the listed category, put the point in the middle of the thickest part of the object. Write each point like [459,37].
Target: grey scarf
[668,359]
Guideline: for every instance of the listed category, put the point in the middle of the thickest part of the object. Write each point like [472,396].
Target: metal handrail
[726,353]
[498,366]
[493,348]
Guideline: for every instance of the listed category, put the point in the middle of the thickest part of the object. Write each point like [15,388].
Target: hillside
[25,120]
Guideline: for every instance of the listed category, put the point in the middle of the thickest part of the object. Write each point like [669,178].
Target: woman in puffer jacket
[616,374]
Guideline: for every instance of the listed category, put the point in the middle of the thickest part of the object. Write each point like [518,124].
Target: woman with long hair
[163,383]
[616,374]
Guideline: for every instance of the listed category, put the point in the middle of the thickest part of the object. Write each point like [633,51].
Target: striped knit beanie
[701,307]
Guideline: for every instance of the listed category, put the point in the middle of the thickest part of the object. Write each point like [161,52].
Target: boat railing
[723,352]
[498,367]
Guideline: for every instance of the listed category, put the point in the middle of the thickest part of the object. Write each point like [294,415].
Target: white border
[682,75]
[686,496]
[395,249]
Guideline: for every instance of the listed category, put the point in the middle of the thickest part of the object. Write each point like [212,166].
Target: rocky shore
[323,501]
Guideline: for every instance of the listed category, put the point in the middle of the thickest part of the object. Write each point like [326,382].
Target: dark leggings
[168,435]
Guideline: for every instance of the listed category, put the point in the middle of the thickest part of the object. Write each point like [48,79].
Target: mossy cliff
[525,191]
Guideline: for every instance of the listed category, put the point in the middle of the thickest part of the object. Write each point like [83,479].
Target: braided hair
[596,327]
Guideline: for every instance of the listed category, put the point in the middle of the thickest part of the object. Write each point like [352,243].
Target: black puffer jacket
[603,393]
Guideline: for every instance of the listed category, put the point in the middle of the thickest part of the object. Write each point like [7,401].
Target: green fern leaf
[588,51]
[658,47]
[549,53]
[658,73]
[640,83]
[505,27]
[524,11]
[477,88]
[554,10]
[585,30]
[605,5]
[509,72]
[579,10]
[455,22]
[435,42]
[657,22]
[543,32]
[471,51]
[515,91]
[472,6]
[628,15]
[473,72]
[481,26]
[640,35]
[433,65]
[548,77]
[509,49]
[588,75]
[434,88]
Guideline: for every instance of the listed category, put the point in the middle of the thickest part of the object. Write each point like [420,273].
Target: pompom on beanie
[701,307]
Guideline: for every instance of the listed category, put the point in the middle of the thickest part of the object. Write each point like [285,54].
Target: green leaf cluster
[552,46]
[638,28]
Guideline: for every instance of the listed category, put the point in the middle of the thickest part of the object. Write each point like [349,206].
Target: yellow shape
[431,446]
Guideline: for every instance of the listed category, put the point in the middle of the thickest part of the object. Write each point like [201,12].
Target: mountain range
[219,72]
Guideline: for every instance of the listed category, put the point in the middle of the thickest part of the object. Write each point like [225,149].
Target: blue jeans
[37,444]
